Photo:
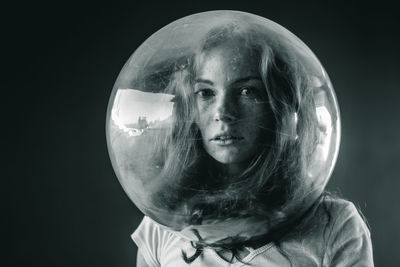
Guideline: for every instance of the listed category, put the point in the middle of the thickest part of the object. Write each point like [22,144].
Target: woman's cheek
[204,115]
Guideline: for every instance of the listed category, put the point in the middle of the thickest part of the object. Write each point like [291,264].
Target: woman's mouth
[226,139]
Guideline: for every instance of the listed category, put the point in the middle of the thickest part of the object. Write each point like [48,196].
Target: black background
[63,205]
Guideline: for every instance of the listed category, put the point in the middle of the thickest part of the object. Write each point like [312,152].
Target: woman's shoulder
[148,238]
[150,232]
[331,216]
[157,244]
[341,230]
[337,205]
[339,212]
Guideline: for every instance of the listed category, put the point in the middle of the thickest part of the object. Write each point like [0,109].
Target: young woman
[244,142]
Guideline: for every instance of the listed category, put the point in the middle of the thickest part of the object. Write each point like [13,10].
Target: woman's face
[234,116]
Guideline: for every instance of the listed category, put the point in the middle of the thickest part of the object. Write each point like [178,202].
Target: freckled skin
[232,100]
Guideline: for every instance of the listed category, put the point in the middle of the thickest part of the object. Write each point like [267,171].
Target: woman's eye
[205,93]
[247,91]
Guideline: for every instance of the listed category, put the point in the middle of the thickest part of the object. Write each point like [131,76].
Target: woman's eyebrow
[199,80]
[246,79]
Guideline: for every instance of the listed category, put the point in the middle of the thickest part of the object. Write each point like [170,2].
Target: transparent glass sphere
[222,126]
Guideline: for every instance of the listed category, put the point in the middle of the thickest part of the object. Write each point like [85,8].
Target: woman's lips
[226,139]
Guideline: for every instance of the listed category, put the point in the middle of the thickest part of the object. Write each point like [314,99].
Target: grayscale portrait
[200,133]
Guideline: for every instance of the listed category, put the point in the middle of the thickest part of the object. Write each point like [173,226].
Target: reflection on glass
[134,111]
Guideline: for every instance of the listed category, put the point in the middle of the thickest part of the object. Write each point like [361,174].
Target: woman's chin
[229,157]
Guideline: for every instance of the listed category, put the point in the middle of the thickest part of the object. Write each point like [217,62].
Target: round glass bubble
[265,98]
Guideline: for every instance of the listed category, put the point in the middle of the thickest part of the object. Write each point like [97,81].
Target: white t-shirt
[337,236]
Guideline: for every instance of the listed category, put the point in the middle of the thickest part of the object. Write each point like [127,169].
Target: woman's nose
[225,110]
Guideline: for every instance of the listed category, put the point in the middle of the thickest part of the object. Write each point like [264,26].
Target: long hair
[279,167]
[274,176]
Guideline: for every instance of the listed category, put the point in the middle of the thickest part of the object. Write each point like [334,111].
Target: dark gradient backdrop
[63,205]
